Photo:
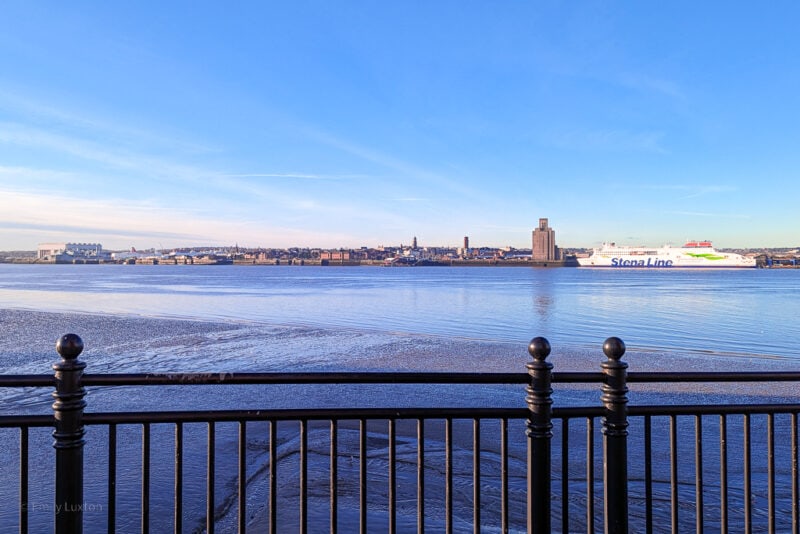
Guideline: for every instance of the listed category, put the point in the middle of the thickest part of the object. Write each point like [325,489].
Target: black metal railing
[615,466]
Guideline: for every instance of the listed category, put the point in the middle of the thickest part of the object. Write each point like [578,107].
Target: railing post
[539,400]
[615,436]
[68,413]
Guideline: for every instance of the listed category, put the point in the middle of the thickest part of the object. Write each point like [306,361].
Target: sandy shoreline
[118,344]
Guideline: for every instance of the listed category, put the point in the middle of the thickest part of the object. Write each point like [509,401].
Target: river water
[746,312]
[278,318]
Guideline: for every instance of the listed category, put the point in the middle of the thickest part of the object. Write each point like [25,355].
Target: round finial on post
[540,434]
[615,435]
[539,348]
[614,348]
[69,346]
[68,433]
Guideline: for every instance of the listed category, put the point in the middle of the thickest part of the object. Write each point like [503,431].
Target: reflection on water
[542,305]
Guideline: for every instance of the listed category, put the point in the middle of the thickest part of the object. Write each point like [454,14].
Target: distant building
[544,243]
[61,251]
[414,243]
[335,255]
[466,242]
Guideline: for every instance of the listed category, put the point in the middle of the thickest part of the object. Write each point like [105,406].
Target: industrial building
[71,252]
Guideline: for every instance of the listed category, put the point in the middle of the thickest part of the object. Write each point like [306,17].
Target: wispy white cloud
[299,176]
[134,165]
[709,214]
[33,111]
[409,171]
[650,84]
[235,189]
[27,174]
[26,194]
[263,195]
[44,217]
[508,228]
[694,190]
[97,153]
[607,140]
[67,231]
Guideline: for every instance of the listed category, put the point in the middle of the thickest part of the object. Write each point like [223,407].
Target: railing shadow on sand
[399,469]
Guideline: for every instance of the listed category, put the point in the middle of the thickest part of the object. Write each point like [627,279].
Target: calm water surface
[749,311]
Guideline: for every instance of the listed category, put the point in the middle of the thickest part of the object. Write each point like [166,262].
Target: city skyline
[348,124]
[543,248]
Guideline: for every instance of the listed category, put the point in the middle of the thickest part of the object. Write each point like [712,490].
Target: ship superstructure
[691,254]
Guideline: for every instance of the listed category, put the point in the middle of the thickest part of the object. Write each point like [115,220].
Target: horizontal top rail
[25,381]
[303,378]
[176,379]
[715,376]
[299,414]
[17,421]
[345,414]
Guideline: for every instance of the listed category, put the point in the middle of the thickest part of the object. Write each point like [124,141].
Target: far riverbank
[298,262]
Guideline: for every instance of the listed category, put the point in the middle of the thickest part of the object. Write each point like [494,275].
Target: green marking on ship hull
[707,256]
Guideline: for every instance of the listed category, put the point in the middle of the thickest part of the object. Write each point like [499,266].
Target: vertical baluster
[392,478]
[648,473]
[242,517]
[68,415]
[362,475]
[504,474]
[273,477]
[303,476]
[565,474]
[448,474]
[673,471]
[420,475]
[112,478]
[23,480]
[723,473]
[334,482]
[795,492]
[145,478]
[210,506]
[615,436]
[589,474]
[178,483]
[748,508]
[539,432]
[698,471]
[771,472]
[476,476]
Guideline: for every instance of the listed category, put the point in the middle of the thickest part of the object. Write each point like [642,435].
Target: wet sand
[115,344]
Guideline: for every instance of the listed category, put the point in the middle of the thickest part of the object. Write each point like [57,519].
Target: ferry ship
[691,254]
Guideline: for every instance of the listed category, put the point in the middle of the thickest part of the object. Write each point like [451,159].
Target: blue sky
[347,124]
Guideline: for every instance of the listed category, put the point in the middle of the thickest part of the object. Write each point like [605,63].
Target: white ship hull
[692,254]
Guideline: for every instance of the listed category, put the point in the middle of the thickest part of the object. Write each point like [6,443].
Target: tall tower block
[544,243]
